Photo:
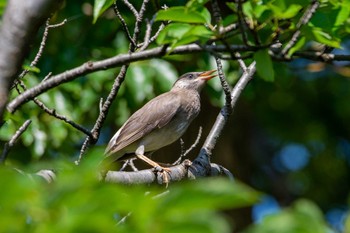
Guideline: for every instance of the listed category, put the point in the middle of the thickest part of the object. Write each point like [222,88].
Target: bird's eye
[190,76]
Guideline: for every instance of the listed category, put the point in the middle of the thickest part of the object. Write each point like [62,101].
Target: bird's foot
[165,174]
[157,168]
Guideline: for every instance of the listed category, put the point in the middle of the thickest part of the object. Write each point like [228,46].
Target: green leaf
[101,6]
[208,194]
[251,9]
[325,38]
[2,7]
[304,216]
[138,84]
[31,68]
[181,14]
[287,13]
[297,46]
[343,14]
[180,33]
[195,4]
[172,31]
[264,65]
[165,73]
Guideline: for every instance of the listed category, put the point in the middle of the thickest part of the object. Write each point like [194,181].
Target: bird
[160,122]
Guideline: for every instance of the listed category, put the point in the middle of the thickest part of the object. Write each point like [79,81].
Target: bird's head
[194,80]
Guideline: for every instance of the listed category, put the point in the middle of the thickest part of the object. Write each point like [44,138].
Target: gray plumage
[161,121]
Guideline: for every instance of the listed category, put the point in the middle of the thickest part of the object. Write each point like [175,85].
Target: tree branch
[121,59]
[20,23]
[221,119]
[118,60]
[116,85]
[201,166]
[303,20]
[13,140]
[224,83]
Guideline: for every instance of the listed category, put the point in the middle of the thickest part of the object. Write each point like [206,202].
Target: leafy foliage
[100,7]
[78,202]
[304,216]
[304,103]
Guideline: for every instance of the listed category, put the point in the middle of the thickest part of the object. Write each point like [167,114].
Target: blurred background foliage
[288,138]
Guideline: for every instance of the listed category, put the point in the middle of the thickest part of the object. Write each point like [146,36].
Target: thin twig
[185,153]
[221,120]
[217,15]
[132,8]
[58,24]
[182,148]
[303,20]
[224,83]
[225,86]
[47,77]
[154,37]
[146,41]
[121,59]
[52,112]
[132,165]
[240,61]
[241,22]
[100,105]
[115,88]
[125,164]
[121,221]
[34,63]
[129,162]
[137,28]
[41,47]
[122,21]
[229,57]
[13,140]
[103,112]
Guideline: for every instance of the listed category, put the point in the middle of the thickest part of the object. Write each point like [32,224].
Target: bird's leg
[140,154]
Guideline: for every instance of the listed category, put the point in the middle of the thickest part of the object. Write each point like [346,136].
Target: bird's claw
[165,174]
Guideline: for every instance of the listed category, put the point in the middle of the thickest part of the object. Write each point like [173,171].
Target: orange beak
[207,75]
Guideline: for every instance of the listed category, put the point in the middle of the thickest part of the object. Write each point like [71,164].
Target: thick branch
[179,172]
[221,120]
[201,166]
[90,67]
[20,23]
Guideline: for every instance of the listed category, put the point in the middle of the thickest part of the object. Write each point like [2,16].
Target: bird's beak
[207,75]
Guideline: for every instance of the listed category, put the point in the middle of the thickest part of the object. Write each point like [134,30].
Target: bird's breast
[176,127]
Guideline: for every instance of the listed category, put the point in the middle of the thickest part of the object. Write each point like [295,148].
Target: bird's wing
[153,115]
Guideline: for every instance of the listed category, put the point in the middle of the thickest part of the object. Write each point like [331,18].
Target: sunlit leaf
[214,192]
[101,6]
[138,84]
[172,31]
[180,14]
[343,14]
[165,73]
[325,38]
[194,4]
[287,13]
[179,33]
[31,68]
